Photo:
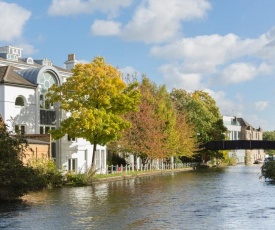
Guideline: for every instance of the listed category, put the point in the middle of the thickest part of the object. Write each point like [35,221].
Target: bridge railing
[239,144]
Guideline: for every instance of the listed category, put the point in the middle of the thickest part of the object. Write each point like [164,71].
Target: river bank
[123,176]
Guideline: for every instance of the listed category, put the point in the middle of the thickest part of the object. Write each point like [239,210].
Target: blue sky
[226,48]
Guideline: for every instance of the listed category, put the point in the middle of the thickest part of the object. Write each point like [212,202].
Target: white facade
[23,85]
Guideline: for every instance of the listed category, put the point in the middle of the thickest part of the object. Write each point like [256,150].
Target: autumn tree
[187,144]
[157,131]
[95,97]
[145,138]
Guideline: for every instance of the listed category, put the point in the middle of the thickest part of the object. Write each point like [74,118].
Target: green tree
[268,170]
[202,112]
[95,98]
[269,136]
[15,178]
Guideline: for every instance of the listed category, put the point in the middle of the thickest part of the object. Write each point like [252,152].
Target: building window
[45,129]
[44,103]
[20,129]
[46,80]
[71,138]
[19,101]
[47,117]
[72,164]
[53,149]
[239,135]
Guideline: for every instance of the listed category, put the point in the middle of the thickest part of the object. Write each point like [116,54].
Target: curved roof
[32,74]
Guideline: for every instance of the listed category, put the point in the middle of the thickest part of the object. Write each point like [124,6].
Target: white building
[239,129]
[23,85]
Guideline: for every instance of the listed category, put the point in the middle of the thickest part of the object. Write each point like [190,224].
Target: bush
[115,159]
[230,161]
[15,178]
[79,179]
[268,170]
[47,169]
[76,179]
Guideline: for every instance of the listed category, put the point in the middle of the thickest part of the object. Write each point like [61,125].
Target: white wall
[78,149]
[22,115]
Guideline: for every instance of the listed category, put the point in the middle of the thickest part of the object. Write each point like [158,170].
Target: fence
[147,167]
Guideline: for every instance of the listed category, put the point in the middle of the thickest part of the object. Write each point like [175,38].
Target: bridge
[239,144]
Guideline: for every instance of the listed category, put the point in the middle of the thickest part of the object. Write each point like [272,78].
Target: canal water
[222,198]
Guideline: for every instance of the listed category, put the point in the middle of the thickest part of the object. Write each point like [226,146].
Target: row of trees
[141,118]
[138,117]
[172,124]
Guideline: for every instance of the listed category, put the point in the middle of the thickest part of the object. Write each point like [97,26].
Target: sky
[226,48]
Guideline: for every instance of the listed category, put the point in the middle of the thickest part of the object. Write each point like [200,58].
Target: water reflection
[224,198]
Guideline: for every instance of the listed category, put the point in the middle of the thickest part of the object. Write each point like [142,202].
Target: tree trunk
[93,158]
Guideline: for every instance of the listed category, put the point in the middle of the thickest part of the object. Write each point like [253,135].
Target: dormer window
[12,57]
[19,101]
[47,62]
[29,60]
[44,62]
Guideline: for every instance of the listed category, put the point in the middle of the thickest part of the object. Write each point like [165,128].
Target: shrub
[15,178]
[75,179]
[79,179]
[47,169]
[115,159]
[268,170]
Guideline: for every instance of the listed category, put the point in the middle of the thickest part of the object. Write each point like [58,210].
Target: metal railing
[111,169]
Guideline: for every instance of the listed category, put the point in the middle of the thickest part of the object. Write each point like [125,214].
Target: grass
[131,173]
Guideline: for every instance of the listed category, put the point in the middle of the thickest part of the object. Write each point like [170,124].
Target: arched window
[19,101]
[46,80]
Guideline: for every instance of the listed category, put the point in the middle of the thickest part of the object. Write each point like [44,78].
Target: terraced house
[240,129]
[24,83]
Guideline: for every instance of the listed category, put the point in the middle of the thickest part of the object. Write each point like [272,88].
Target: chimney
[71,62]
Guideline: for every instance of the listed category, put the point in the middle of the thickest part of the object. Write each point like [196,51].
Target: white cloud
[219,59]
[100,27]
[219,97]
[27,49]
[176,78]
[13,19]
[227,106]
[238,72]
[213,50]
[241,72]
[153,21]
[129,73]
[83,61]
[74,7]
[261,105]
[205,53]
[160,20]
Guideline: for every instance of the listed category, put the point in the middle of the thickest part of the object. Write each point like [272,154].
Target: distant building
[239,129]
[24,83]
